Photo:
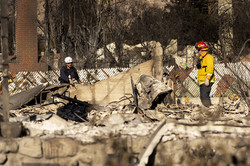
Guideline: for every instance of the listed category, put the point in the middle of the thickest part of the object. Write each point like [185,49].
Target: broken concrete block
[3,158]
[60,147]
[136,144]
[11,146]
[11,129]
[2,146]
[30,146]
[94,154]
[54,123]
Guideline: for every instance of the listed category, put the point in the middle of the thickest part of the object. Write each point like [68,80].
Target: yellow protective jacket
[207,68]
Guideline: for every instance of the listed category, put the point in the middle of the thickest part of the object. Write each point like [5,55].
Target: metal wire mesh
[230,78]
[26,80]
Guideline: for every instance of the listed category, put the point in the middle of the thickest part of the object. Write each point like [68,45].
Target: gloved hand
[198,65]
[207,82]
[71,81]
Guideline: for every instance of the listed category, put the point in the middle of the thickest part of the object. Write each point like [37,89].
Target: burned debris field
[141,129]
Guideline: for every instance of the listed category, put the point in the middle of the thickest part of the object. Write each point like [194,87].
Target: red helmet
[201,46]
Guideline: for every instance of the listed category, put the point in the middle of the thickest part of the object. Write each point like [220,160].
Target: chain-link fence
[231,78]
[25,80]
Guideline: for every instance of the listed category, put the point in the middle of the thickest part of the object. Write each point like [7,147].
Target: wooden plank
[152,143]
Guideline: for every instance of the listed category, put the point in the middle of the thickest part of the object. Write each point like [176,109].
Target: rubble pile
[149,130]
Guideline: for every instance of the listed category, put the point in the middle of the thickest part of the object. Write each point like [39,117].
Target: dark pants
[204,94]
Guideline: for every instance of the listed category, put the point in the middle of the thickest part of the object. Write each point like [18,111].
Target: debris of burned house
[24,97]
[151,92]
[72,118]
[143,133]
[72,100]
[74,110]
[37,95]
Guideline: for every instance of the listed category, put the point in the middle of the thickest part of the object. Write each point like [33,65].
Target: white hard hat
[68,60]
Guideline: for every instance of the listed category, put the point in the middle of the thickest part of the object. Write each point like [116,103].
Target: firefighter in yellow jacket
[206,77]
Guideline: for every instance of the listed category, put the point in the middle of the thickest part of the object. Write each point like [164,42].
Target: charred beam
[82,103]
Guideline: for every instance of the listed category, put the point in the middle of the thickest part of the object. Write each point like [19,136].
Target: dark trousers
[204,94]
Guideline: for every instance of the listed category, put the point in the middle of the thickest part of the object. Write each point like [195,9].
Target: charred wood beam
[82,103]
[135,92]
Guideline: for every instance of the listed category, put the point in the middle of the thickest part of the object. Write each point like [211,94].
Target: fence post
[4,34]
[157,54]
